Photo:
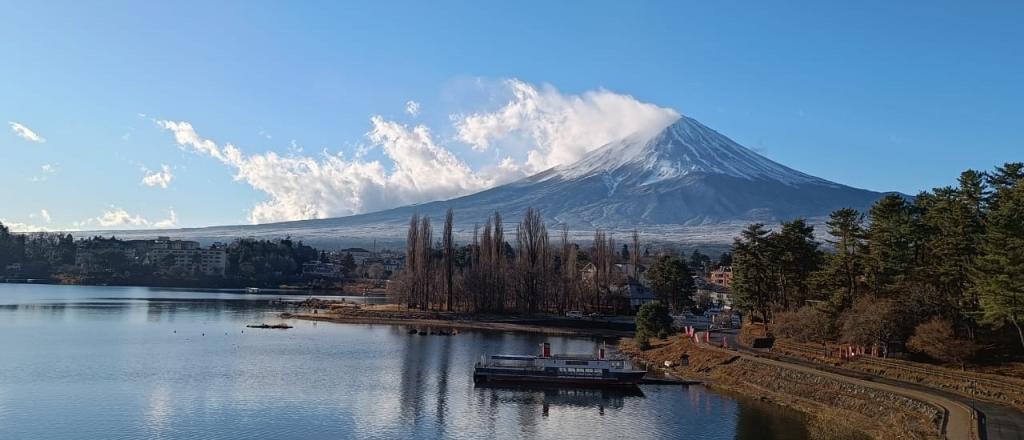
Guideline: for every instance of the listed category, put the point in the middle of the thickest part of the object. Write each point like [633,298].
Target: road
[997,422]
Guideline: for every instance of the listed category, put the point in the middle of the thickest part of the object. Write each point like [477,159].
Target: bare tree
[409,290]
[448,250]
[424,251]
[634,256]
[532,261]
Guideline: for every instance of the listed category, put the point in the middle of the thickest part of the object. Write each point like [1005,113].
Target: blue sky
[313,97]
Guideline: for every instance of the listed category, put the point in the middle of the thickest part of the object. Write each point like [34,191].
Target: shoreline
[465,324]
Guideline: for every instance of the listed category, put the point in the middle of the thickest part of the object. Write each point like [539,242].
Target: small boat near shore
[579,370]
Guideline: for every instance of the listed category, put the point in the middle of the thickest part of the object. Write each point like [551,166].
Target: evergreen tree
[890,244]
[842,270]
[672,282]
[752,283]
[999,276]
[796,257]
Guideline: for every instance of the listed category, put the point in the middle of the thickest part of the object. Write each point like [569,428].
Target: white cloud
[536,129]
[46,169]
[25,132]
[303,187]
[412,108]
[160,178]
[555,129]
[23,227]
[118,217]
[170,222]
[43,214]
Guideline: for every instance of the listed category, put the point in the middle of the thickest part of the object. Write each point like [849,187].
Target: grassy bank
[835,409]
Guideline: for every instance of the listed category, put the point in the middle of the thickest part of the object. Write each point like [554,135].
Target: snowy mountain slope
[686,179]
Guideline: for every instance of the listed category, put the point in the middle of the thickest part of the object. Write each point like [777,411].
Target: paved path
[960,423]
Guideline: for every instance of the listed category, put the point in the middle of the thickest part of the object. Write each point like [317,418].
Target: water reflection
[544,397]
[140,363]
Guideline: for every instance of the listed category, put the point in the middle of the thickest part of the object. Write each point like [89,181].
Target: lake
[80,362]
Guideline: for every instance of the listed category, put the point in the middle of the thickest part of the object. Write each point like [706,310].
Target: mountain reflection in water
[123,362]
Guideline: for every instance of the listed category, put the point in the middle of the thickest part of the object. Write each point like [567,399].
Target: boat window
[577,363]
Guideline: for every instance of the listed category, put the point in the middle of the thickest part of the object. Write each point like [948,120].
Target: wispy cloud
[412,108]
[42,214]
[160,178]
[46,169]
[25,133]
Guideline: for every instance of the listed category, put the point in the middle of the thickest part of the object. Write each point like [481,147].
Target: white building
[188,256]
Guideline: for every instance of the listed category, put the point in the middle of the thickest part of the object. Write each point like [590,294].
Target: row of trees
[492,275]
[249,261]
[949,258]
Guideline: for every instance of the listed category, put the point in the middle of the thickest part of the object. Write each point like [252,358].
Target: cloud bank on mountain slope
[555,129]
[538,128]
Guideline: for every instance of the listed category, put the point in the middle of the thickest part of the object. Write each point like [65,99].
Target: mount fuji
[687,183]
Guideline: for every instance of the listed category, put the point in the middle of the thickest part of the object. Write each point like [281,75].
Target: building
[359,255]
[721,276]
[316,269]
[211,262]
[639,295]
[168,255]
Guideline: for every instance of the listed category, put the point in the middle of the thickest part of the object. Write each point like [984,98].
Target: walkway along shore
[879,410]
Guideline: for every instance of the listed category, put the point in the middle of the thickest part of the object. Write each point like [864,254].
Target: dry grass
[836,408]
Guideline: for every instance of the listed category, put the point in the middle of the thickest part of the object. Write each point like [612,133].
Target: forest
[533,273]
[940,273]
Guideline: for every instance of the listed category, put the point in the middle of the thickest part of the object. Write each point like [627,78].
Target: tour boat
[557,369]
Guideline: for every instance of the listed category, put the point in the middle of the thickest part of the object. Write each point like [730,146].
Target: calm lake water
[112,362]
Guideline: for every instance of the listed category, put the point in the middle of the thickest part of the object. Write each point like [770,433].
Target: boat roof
[514,357]
[528,357]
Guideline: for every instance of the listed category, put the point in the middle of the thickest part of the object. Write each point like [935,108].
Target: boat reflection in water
[547,396]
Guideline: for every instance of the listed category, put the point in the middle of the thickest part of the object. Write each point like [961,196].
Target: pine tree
[796,257]
[890,244]
[752,283]
[843,269]
[999,276]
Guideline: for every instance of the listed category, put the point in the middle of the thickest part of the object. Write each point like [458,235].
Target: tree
[999,273]
[448,251]
[843,269]
[795,256]
[872,320]
[532,261]
[937,339]
[348,262]
[890,243]
[653,319]
[699,262]
[806,324]
[725,259]
[671,282]
[752,282]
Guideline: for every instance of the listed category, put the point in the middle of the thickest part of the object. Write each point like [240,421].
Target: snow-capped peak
[685,147]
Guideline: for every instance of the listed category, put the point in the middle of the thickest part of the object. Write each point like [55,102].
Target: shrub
[872,320]
[643,342]
[653,319]
[806,324]
[937,339]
